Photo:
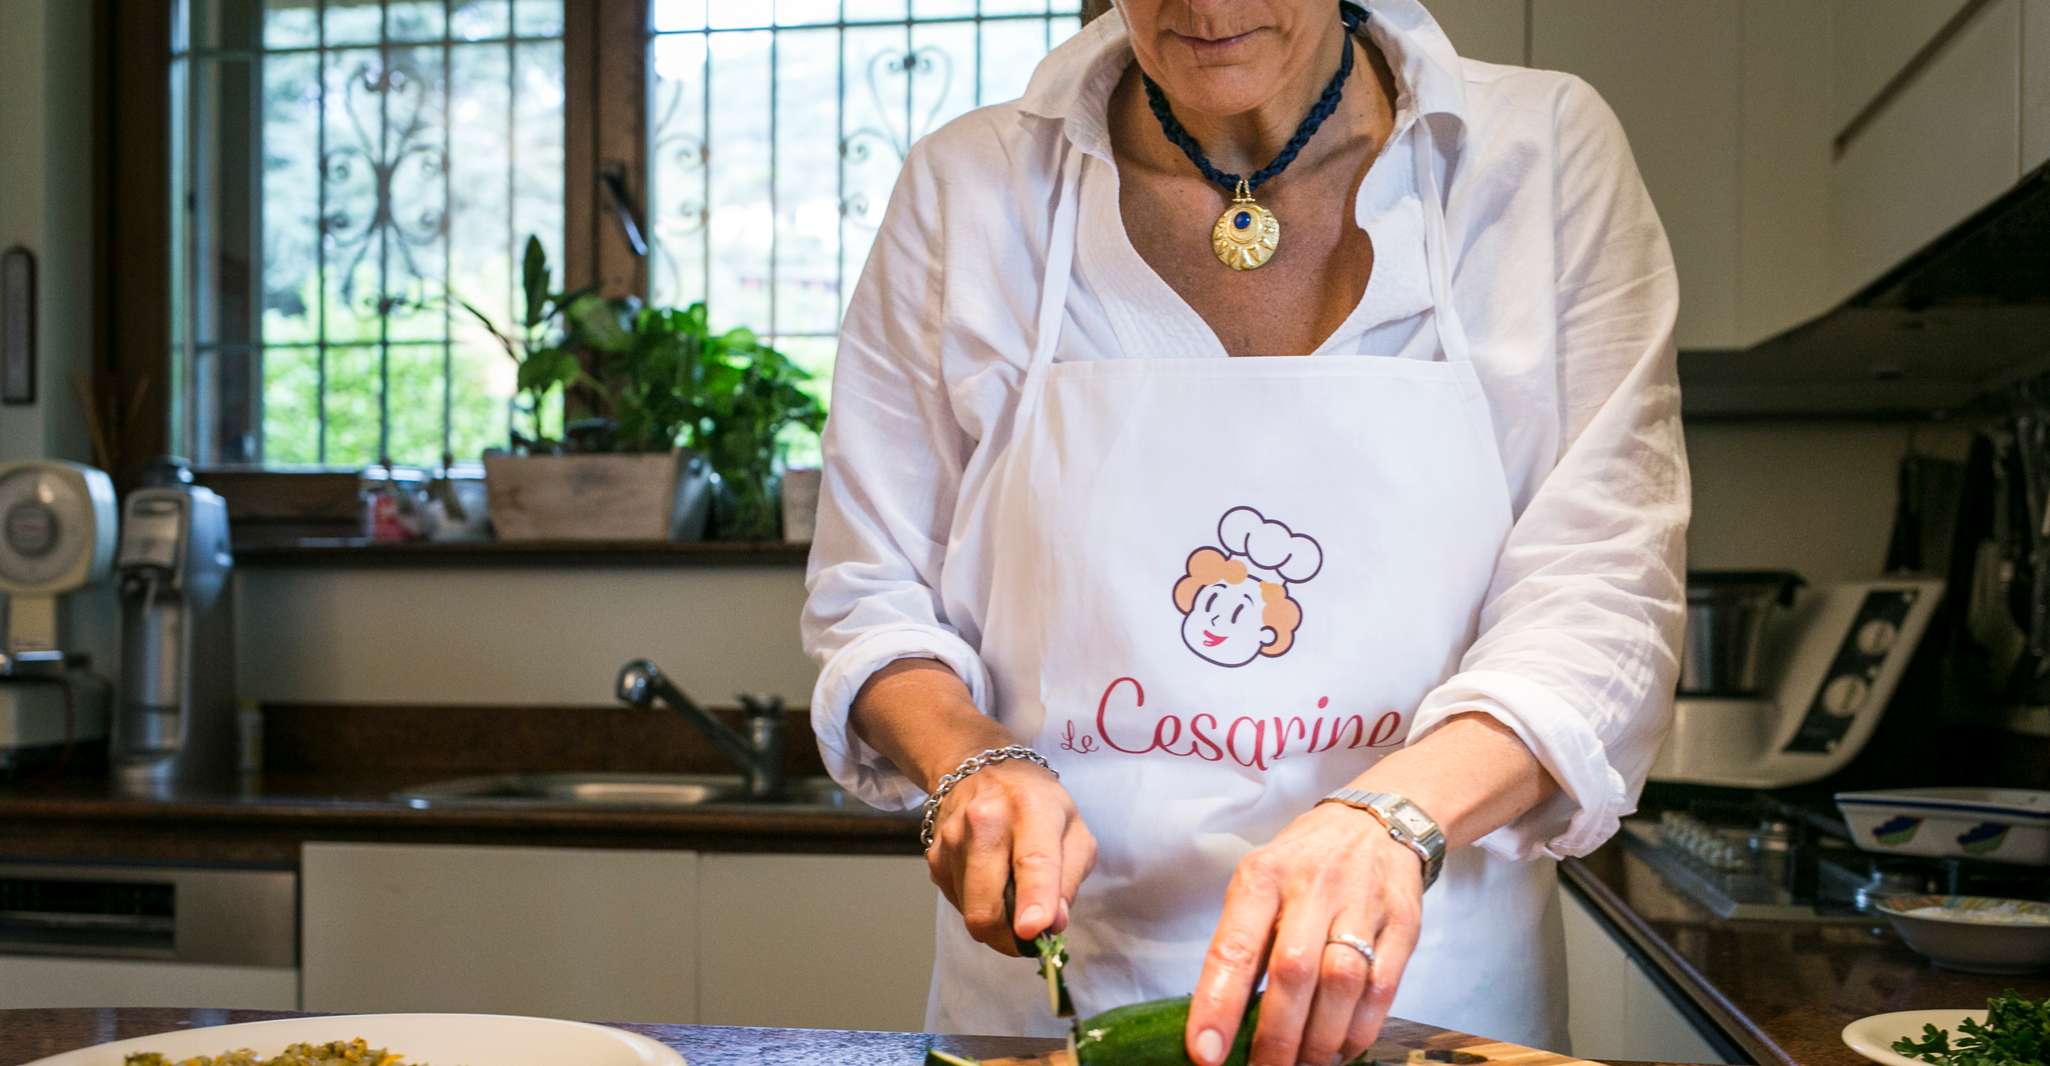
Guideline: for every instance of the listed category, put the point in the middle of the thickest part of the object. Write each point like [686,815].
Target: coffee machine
[1781,684]
[175,721]
[56,536]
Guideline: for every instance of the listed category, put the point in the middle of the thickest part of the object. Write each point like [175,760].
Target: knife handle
[1026,949]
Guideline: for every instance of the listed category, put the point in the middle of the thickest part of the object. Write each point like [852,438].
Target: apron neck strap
[1437,250]
[1053,284]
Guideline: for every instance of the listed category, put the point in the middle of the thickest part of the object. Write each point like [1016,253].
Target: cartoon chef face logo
[1234,598]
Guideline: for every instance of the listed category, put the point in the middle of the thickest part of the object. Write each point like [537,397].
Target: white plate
[435,1039]
[1873,1036]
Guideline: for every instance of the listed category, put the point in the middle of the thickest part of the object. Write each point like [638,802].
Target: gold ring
[1355,943]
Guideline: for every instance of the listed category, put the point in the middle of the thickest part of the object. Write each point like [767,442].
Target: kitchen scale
[57,524]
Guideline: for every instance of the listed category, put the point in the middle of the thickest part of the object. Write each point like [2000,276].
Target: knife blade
[1052,951]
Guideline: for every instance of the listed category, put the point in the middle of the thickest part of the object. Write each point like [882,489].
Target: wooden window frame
[132,253]
[604,109]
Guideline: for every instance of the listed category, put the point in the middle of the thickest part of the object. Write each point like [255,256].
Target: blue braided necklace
[1247,234]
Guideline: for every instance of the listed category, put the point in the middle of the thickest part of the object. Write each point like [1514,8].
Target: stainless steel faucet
[759,754]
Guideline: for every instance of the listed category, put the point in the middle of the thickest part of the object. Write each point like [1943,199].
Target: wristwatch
[1405,821]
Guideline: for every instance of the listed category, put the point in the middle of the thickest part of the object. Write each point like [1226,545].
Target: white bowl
[1873,1036]
[494,1039]
[1976,934]
[1999,824]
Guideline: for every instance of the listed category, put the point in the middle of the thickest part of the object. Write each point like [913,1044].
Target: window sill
[327,552]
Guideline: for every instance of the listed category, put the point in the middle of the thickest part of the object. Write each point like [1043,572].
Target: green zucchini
[1151,1034]
[935,1057]
[1053,958]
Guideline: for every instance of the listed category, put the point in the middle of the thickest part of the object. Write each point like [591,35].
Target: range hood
[1958,320]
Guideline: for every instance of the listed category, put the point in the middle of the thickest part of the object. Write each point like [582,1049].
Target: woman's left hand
[1334,871]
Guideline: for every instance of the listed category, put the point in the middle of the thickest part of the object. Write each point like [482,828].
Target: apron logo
[1235,602]
[1254,741]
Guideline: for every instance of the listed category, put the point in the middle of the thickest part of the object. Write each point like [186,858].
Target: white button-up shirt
[1566,287]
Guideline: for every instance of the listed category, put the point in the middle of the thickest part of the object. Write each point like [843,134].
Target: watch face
[1413,821]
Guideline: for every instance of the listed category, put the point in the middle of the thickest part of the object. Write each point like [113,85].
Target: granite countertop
[26,1035]
[270,816]
[1782,991]
[331,770]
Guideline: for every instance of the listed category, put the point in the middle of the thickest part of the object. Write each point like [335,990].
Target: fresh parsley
[2016,1032]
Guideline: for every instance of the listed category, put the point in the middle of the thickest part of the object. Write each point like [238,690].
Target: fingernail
[1210,1045]
[1064,914]
[1034,917]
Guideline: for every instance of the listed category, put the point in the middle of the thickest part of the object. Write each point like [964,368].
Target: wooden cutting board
[1401,1044]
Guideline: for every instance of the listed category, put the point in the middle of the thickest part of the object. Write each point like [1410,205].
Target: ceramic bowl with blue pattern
[2010,825]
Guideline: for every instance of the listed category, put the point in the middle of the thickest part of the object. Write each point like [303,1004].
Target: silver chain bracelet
[968,768]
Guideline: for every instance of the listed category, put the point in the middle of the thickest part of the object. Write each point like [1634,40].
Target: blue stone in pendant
[1242,219]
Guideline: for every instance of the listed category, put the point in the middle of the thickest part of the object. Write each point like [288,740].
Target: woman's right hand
[1010,822]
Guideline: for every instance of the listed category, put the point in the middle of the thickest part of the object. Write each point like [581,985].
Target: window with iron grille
[776,132]
[343,171]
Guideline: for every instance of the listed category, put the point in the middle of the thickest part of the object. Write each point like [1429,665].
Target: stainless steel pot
[1728,614]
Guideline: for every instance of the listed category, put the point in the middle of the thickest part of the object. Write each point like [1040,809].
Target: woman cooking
[1253,524]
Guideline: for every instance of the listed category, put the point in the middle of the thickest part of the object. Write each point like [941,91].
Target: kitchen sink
[657,791]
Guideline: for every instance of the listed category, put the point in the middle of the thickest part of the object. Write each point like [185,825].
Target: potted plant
[590,481]
[665,388]
[749,394]
[726,394]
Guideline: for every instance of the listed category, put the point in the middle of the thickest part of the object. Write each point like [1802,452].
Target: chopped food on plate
[334,1053]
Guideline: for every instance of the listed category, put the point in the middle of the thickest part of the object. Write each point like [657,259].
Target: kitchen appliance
[159,936]
[175,725]
[56,537]
[1790,858]
[1728,615]
[1771,699]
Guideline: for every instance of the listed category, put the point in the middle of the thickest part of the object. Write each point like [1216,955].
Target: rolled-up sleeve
[893,460]
[1577,644]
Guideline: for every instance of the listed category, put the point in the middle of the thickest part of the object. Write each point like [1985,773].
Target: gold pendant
[1246,234]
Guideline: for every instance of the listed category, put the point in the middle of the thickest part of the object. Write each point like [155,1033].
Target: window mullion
[617,124]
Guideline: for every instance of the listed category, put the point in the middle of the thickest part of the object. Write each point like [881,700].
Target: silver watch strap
[1407,824]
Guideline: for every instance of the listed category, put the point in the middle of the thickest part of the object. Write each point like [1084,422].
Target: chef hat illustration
[1270,550]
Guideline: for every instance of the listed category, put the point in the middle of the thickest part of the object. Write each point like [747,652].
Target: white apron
[1220,588]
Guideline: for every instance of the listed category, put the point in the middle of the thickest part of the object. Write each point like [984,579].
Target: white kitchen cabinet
[815,941]
[2035,84]
[1491,30]
[1616,1009]
[1670,72]
[566,932]
[1783,169]
[1947,145]
[1874,40]
[28,981]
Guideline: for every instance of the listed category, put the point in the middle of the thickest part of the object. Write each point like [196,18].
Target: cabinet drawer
[561,932]
[815,941]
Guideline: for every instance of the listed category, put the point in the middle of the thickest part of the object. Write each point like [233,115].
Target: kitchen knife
[1051,949]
